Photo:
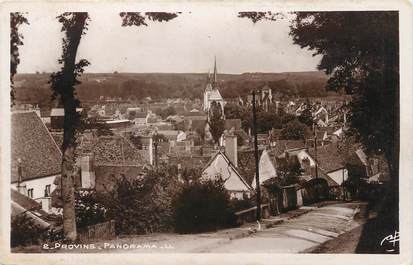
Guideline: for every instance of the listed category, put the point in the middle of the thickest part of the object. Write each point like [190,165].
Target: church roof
[215,95]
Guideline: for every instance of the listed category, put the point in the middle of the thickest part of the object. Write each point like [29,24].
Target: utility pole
[342,186]
[257,172]
[316,162]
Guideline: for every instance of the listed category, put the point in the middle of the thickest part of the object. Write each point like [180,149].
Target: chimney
[21,188]
[306,166]
[87,172]
[231,148]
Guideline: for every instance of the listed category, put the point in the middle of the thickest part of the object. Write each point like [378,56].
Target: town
[177,136]
[304,155]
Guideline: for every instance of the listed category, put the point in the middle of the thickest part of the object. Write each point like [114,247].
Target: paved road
[292,236]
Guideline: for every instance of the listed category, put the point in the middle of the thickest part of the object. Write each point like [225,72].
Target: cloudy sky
[186,44]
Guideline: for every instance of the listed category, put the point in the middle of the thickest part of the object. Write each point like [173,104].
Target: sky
[186,44]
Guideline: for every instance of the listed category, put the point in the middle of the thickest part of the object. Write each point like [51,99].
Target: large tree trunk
[68,198]
[66,87]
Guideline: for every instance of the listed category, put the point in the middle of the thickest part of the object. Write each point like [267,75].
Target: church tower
[211,92]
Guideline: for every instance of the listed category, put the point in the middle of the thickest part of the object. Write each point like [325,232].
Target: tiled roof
[27,203]
[282,145]
[246,165]
[328,157]
[116,150]
[33,144]
[58,138]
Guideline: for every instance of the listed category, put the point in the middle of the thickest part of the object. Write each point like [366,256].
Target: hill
[33,88]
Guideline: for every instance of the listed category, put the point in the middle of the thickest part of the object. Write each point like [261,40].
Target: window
[47,191]
[30,193]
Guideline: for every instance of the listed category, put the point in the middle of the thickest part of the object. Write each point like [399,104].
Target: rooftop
[328,157]
[33,144]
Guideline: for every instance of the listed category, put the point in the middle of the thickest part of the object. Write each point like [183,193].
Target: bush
[24,231]
[89,209]
[239,205]
[202,206]
[143,205]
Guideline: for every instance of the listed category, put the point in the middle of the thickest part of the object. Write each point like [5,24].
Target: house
[173,135]
[45,115]
[57,116]
[35,158]
[151,119]
[281,150]
[321,114]
[111,158]
[224,164]
[21,204]
[195,115]
[139,118]
[118,124]
[331,162]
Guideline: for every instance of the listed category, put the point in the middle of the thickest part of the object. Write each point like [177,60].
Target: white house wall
[38,185]
[219,167]
[337,175]
[266,168]
[303,155]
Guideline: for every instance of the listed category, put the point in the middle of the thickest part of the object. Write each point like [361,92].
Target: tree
[294,130]
[16,39]
[165,112]
[362,59]
[143,205]
[202,206]
[63,85]
[25,231]
[288,172]
[306,116]
[216,121]
[360,53]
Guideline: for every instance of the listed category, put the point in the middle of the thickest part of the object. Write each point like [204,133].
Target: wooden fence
[250,215]
[105,230]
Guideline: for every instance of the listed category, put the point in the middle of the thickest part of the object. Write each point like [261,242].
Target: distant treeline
[33,88]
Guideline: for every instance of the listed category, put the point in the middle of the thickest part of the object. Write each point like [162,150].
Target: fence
[105,230]
[250,215]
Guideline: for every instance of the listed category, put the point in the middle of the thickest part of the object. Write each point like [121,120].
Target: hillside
[33,88]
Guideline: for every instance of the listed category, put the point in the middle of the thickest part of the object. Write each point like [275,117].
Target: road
[293,235]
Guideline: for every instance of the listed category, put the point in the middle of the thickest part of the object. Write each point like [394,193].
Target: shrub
[143,205]
[89,208]
[202,206]
[241,204]
[24,231]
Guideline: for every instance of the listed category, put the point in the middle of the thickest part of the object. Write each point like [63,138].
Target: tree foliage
[360,52]
[216,121]
[255,16]
[142,205]
[140,19]
[294,130]
[202,206]
[89,208]
[16,39]
[306,116]
[165,112]
[24,231]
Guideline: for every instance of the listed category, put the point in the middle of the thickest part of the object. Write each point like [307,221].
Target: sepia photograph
[194,130]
